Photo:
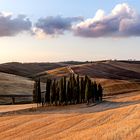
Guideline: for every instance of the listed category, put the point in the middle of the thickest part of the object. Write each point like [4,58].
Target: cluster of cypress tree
[69,90]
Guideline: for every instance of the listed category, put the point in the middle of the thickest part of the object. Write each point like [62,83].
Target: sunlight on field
[116,118]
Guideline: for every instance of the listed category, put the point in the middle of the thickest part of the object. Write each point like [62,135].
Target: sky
[60,30]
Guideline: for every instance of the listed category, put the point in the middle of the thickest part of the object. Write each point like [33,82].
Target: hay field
[117,118]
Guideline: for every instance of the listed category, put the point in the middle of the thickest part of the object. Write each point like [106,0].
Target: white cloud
[121,21]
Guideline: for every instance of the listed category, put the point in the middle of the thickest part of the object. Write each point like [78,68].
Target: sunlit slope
[12,84]
[115,119]
[116,77]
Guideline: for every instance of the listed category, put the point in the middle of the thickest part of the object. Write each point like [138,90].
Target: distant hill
[30,69]
[115,76]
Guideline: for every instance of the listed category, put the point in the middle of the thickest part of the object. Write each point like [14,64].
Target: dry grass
[116,119]
[12,84]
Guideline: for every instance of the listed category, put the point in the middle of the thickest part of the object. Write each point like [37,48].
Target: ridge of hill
[115,76]
[30,69]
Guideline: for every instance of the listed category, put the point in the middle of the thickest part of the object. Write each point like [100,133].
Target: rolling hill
[115,76]
[17,85]
[30,69]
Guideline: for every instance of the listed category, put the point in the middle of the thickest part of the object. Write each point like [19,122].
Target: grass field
[117,118]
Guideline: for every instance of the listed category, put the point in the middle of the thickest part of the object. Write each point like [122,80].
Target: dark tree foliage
[95,91]
[61,91]
[69,90]
[53,93]
[57,93]
[100,92]
[48,90]
[64,90]
[82,89]
[38,92]
[78,89]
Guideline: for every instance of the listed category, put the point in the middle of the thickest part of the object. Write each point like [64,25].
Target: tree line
[68,90]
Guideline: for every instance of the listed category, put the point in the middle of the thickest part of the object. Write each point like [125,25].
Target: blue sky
[66,35]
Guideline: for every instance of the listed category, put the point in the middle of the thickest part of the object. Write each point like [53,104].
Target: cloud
[55,25]
[12,26]
[123,21]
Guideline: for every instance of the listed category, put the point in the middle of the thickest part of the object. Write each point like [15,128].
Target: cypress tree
[95,91]
[82,89]
[68,92]
[87,92]
[74,88]
[53,91]
[92,92]
[61,91]
[100,92]
[57,93]
[48,90]
[64,90]
[71,89]
[78,89]
[38,92]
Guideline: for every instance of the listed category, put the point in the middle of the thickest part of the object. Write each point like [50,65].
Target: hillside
[115,76]
[30,69]
[12,84]
[117,118]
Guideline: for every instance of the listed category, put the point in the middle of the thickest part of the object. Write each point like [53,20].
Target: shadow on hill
[77,109]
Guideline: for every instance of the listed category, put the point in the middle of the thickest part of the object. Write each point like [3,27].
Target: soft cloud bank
[122,21]
[56,25]
[11,26]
